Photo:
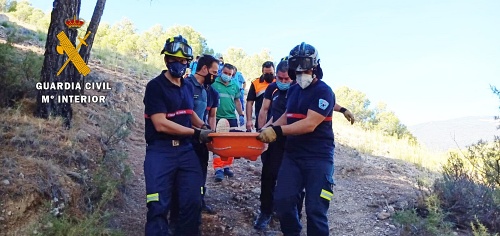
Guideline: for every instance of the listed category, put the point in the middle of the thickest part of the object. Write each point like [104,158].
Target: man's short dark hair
[229,66]
[205,60]
[268,64]
[282,66]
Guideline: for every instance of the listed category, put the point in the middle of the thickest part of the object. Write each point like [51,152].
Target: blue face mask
[177,69]
[225,78]
[282,86]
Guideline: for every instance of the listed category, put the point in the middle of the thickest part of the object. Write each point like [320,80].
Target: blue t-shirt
[221,66]
[212,102]
[162,96]
[278,101]
[193,66]
[238,79]
[320,98]
[200,96]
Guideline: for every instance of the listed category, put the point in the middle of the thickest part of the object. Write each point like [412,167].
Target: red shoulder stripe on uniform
[173,114]
[302,116]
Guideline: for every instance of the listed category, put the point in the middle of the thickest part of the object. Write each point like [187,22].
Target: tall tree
[356,101]
[92,31]
[62,10]
[93,26]
[53,61]
[249,65]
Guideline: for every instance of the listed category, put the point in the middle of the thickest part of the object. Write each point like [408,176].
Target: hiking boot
[219,175]
[228,172]
[208,209]
[262,221]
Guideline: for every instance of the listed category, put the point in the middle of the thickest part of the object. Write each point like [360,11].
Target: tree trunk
[62,10]
[93,26]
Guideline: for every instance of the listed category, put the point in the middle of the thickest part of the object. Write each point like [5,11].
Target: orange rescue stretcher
[236,144]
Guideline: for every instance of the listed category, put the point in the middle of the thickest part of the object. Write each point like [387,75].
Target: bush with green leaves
[19,72]
[426,219]
[470,187]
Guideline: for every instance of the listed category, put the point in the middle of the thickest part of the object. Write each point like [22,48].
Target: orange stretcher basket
[236,144]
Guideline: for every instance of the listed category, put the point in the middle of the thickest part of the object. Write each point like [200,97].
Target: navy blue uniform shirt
[278,101]
[162,96]
[200,96]
[212,102]
[320,98]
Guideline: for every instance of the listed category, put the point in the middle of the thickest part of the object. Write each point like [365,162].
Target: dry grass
[29,136]
[377,144]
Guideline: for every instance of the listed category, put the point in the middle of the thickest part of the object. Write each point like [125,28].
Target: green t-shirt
[227,93]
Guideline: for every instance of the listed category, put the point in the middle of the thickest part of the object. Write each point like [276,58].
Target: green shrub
[479,229]
[91,225]
[469,189]
[427,219]
[19,72]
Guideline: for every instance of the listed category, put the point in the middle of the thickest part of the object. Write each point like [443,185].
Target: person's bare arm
[268,123]
[263,112]
[347,114]
[281,121]
[249,108]
[196,121]
[337,107]
[162,124]
[249,114]
[212,118]
[237,102]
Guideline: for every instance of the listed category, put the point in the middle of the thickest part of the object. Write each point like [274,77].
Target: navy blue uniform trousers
[201,151]
[167,166]
[316,176]
[271,162]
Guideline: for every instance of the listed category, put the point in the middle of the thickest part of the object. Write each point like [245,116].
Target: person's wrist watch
[342,110]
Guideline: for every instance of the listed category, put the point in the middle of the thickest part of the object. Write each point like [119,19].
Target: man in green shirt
[229,95]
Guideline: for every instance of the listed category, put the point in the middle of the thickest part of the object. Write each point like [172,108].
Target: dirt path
[365,187]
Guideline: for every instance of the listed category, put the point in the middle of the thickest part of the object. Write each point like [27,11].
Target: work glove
[270,134]
[202,135]
[242,120]
[349,116]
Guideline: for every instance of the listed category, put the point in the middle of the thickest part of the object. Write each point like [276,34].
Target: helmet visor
[300,63]
[175,47]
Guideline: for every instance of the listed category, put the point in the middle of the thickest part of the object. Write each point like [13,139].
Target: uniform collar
[195,81]
[169,83]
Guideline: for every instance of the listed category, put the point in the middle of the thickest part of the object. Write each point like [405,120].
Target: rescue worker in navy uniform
[275,103]
[309,149]
[170,159]
[206,101]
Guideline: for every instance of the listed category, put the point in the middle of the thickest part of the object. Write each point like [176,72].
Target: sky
[427,60]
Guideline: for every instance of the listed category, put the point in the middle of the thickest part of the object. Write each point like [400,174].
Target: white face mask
[304,80]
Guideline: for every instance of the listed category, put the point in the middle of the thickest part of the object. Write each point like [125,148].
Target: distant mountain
[445,135]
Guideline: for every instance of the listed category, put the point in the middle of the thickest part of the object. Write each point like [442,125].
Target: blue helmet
[303,57]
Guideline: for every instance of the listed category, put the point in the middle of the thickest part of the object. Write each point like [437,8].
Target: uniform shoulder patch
[323,104]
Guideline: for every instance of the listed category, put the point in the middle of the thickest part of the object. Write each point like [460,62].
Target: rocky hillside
[368,189]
